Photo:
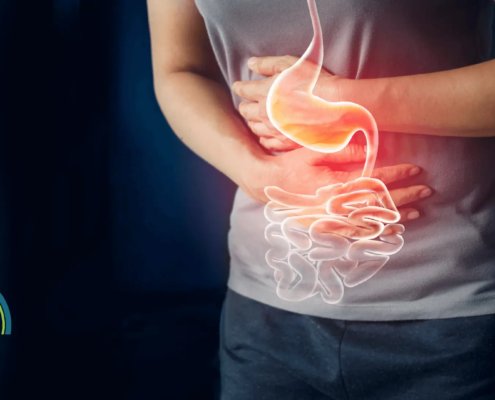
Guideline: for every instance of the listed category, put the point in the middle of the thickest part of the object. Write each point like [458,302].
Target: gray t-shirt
[447,265]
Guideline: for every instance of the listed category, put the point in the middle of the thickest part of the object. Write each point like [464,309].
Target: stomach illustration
[346,232]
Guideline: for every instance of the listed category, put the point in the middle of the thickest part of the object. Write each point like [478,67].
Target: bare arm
[186,81]
[459,102]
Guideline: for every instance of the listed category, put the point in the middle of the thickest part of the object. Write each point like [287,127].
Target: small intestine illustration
[345,233]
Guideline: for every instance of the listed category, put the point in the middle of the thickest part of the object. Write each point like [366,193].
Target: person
[424,326]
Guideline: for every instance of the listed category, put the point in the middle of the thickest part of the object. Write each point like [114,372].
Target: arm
[459,102]
[186,82]
[201,113]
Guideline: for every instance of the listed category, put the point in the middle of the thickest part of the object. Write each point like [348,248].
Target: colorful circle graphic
[5,321]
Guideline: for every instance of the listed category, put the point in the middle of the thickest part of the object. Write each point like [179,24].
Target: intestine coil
[324,242]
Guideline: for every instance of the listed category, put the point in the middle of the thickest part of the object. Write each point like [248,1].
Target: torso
[447,264]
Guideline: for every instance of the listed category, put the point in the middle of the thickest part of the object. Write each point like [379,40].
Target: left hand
[254,110]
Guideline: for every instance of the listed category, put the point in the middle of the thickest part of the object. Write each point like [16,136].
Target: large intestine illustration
[345,233]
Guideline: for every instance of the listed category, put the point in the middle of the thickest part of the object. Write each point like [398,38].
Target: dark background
[113,234]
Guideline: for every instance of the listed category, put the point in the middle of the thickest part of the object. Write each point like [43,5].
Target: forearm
[201,114]
[458,102]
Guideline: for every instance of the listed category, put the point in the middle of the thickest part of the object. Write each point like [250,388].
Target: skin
[458,103]
[188,87]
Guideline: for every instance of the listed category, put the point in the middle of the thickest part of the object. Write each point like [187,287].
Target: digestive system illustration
[344,234]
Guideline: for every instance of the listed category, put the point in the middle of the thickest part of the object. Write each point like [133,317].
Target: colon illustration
[345,233]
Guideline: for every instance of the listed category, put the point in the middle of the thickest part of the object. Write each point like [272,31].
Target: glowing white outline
[334,256]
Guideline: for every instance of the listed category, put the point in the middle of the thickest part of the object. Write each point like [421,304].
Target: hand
[254,110]
[304,171]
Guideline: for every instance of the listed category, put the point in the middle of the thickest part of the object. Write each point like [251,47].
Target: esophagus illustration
[345,233]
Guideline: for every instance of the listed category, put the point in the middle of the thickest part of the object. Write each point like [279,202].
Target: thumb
[271,65]
[351,153]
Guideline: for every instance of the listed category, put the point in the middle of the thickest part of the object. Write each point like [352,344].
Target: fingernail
[414,171]
[425,193]
[413,215]
[252,61]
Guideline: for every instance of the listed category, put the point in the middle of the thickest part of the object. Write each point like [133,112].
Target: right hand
[255,93]
[304,171]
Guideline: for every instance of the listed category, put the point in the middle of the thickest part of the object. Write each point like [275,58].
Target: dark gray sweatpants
[272,354]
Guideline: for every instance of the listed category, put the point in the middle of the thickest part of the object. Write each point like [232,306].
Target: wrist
[378,96]
[253,172]
[334,88]
[347,90]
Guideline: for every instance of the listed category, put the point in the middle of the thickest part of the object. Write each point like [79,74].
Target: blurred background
[113,234]
[113,251]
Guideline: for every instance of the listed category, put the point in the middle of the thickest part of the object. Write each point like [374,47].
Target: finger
[250,110]
[261,130]
[291,145]
[269,66]
[408,214]
[407,195]
[249,90]
[390,174]
[273,144]
[350,153]
[395,172]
